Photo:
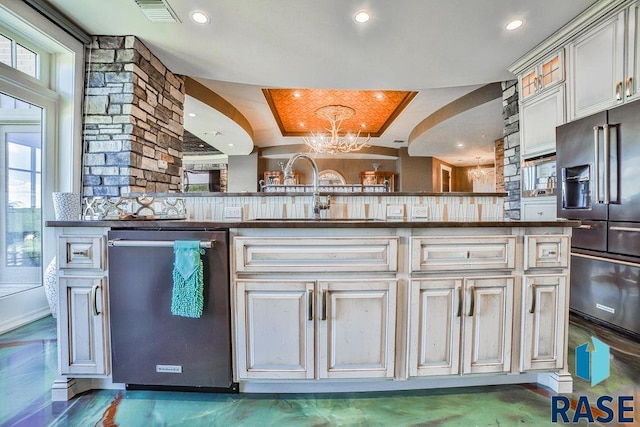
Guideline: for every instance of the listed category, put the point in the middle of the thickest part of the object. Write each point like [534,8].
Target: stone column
[133,121]
[511,133]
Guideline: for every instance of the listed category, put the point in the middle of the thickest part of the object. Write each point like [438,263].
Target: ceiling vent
[157,11]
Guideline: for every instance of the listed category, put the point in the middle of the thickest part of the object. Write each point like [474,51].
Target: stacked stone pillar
[511,135]
[133,120]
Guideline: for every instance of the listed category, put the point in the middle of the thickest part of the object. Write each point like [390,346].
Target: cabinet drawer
[81,252]
[268,254]
[462,253]
[538,211]
[546,251]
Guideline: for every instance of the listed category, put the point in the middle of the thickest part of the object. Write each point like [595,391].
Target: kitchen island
[358,304]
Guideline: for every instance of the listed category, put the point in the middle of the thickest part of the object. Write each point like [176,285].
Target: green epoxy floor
[28,363]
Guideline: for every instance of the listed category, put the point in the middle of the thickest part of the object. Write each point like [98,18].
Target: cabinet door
[434,342]
[543,313]
[488,310]
[275,330]
[539,119]
[597,68]
[632,80]
[356,329]
[83,337]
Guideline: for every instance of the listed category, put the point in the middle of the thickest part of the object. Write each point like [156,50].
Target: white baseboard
[23,308]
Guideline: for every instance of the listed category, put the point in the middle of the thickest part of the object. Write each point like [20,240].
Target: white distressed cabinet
[544,293]
[543,321]
[539,118]
[356,328]
[600,73]
[275,329]
[461,325]
[83,331]
[322,326]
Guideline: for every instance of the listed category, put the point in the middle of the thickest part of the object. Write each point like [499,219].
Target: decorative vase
[66,206]
[50,284]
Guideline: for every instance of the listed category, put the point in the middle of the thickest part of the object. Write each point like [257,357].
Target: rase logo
[592,364]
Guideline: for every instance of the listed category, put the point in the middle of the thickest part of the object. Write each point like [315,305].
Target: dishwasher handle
[154,243]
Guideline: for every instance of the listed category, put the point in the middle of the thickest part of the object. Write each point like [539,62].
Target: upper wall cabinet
[544,75]
[603,64]
[632,82]
[538,120]
[542,105]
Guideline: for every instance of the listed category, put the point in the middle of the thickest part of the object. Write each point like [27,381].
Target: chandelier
[334,143]
[478,173]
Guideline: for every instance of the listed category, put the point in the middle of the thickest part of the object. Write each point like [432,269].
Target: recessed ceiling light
[363,125]
[379,96]
[362,16]
[192,115]
[201,145]
[230,145]
[514,25]
[301,124]
[199,17]
[459,144]
[297,94]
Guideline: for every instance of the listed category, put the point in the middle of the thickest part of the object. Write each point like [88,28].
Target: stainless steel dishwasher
[150,347]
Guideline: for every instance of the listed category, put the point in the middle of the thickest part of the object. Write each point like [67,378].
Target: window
[19,57]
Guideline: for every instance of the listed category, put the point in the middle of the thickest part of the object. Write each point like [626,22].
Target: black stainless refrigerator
[598,162]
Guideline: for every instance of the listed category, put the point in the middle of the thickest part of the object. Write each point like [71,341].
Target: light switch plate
[233,212]
[418,212]
[395,212]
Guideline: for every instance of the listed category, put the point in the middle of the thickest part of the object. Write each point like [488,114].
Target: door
[21,196]
[82,304]
[275,330]
[434,343]
[356,329]
[623,180]
[487,325]
[577,168]
[544,319]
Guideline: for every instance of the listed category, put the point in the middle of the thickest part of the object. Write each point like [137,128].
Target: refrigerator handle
[607,144]
[596,167]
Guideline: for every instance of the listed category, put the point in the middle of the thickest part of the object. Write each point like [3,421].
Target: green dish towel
[187,299]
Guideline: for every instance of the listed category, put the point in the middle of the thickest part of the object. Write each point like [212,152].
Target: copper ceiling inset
[294,109]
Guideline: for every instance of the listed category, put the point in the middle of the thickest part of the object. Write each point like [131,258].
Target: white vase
[66,206]
[50,284]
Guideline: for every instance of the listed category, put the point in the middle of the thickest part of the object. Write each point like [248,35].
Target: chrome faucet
[288,174]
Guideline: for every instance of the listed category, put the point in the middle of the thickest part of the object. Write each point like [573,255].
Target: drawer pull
[85,252]
[586,226]
[631,229]
[94,299]
[549,253]
[324,305]
[460,295]
[310,305]
[472,307]
[533,299]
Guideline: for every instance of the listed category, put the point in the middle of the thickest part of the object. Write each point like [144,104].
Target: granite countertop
[306,223]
